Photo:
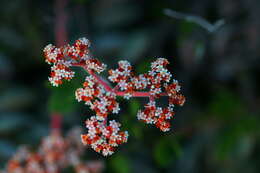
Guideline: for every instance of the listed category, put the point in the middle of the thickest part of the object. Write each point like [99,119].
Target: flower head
[55,154]
[101,97]
[103,138]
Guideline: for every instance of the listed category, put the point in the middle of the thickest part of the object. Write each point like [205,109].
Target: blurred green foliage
[62,98]
[120,164]
[166,150]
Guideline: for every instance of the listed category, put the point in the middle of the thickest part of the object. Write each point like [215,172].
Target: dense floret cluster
[103,138]
[54,155]
[156,115]
[101,97]
[99,100]
[64,57]
[156,81]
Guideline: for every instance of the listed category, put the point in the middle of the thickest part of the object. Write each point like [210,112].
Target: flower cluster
[103,138]
[95,95]
[95,65]
[152,80]
[101,97]
[126,80]
[64,57]
[54,155]
[158,75]
[156,81]
[156,115]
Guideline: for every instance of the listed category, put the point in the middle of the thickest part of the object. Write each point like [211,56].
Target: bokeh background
[217,130]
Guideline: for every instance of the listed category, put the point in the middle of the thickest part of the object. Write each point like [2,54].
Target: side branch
[110,89]
[102,82]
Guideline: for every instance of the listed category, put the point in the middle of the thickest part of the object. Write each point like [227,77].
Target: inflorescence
[54,155]
[104,136]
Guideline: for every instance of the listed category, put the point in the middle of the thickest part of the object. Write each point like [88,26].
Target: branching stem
[115,89]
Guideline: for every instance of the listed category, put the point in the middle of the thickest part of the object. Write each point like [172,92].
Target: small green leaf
[226,105]
[165,151]
[134,106]
[137,131]
[143,67]
[62,98]
[120,164]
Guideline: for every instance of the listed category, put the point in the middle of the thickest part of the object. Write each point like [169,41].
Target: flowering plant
[104,136]
[55,154]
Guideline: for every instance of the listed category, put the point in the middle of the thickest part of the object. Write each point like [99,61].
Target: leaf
[62,99]
[11,38]
[134,106]
[12,122]
[226,105]
[143,67]
[137,131]
[120,164]
[165,151]
[16,98]
[199,50]
[6,149]
[236,139]
[136,45]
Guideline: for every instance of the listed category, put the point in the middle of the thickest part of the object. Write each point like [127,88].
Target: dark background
[217,130]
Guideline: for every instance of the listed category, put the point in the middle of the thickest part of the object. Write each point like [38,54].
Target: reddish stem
[115,89]
[135,94]
[100,81]
[56,120]
[151,99]
[60,39]
[60,22]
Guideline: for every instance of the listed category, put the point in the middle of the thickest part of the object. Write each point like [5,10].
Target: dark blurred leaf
[137,131]
[236,140]
[186,29]
[120,164]
[16,98]
[134,127]
[165,151]
[142,164]
[226,105]
[110,43]
[35,133]
[199,51]
[62,99]
[12,122]
[134,106]
[136,45]
[118,16]
[9,37]
[143,67]
[6,67]
[6,149]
